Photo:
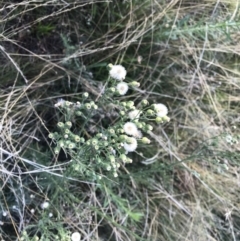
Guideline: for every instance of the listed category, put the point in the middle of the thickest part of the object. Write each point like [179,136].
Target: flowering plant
[102,153]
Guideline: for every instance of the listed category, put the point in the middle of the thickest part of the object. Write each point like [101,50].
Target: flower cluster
[118,73]
[105,152]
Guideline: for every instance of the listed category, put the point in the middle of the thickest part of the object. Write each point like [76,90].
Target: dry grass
[186,55]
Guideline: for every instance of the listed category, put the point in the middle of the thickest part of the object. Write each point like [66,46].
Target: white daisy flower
[138,134]
[122,88]
[60,103]
[161,110]
[135,114]
[4,213]
[117,72]
[45,205]
[76,236]
[132,146]
[130,129]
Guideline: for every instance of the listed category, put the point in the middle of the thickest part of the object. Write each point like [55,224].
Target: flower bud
[61,143]
[71,145]
[112,131]
[88,106]
[51,135]
[144,102]
[139,125]
[134,84]
[68,124]
[67,131]
[99,135]
[95,107]
[112,159]
[123,137]
[109,66]
[77,138]
[159,119]
[82,140]
[149,127]
[78,113]
[94,142]
[130,105]
[112,89]
[96,147]
[166,118]
[145,140]
[123,157]
[150,112]
[129,160]
[60,124]
[85,94]
[68,103]
[105,143]
[57,149]
[122,113]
